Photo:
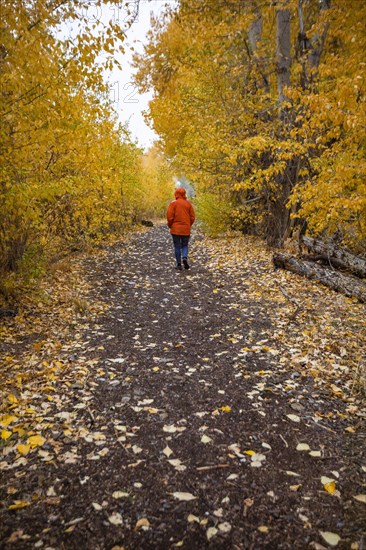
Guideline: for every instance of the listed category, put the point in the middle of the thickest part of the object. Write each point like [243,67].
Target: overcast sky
[129,103]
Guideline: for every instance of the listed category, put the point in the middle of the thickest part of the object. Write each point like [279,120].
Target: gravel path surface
[190,429]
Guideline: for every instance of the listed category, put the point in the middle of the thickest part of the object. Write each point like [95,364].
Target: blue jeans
[180,247]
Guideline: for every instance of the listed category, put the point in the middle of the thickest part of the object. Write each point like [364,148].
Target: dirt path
[185,420]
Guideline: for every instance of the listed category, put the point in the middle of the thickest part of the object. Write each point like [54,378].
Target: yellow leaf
[350,430]
[250,453]
[12,399]
[7,419]
[23,449]
[5,434]
[19,504]
[263,529]
[295,487]
[215,290]
[19,430]
[225,409]
[36,441]
[142,522]
[330,487]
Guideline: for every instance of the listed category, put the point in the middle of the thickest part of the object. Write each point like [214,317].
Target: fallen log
[325,260]
[335,256]
[346,284]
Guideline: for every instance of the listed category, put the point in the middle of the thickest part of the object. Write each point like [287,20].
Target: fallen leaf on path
[315,453]
[5,434]
[302,447]
[211,532]
[7,419]
[293,417]
[258,457]
[360,498]
[183,496]
[331,538]
[115,519]
[167,451]
[12,399]
[142,523]
[176,462]
[330,487]
[18,504]
[173,429]
[324,480]
[120,494]
[36,441]
[224,527]
[263,529]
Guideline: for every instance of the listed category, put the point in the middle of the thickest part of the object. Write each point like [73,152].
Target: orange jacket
[180,215]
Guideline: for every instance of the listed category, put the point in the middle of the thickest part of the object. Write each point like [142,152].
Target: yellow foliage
[216,107]
[70,175]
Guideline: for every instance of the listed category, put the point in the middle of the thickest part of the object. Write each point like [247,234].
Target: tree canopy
[70,172]
[262,106]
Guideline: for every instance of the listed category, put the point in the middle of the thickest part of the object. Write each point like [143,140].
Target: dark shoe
[178,267]
[186,264]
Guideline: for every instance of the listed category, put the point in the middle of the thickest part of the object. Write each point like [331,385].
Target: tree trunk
[254,33]
[278,214]
[317,43]
[341,258]
[345,284]
[283,27]
[254,36]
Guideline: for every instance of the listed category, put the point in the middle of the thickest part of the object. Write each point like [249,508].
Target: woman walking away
[180,217]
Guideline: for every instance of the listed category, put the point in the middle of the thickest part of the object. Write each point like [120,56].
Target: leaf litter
[140,367]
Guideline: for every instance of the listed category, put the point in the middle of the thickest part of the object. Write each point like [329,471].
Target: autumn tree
[245,98]
[70,173]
